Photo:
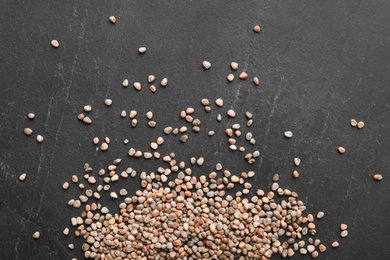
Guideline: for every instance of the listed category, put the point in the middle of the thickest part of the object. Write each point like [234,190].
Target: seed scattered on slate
[133,114]
[152,124]
[142,50]
[149,115]
[36,235]
[230,77]
[320,215]
[151,78]
[112,19]
[360,125]
[137,86]
[87,120]
[295,174]
[164,82]
[377,177]
[341,150]
[343,226]
[66,231]
[153,88]
[22,176]
[104,146]
[27,131]
[55,43]
[219,102]
[256,81]
[40,138]
[31,116]
[243,75]
[65,186]
[288,134]
[125,83]
[297,161]
[344,233]
[87,108]
[108,102]
[184,138]
[206,64]
[234,65]
[335,244]
[80,117]
[256,29]
[231,113]
[353,122]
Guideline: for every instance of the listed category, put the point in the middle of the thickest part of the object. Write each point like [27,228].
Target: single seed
[137,86]
[341,150]
[297,161]
[75,179]
[22,176]
[320,215]
[206,64]
[230,77]
[231,113]
[335,244]
[142,50]
[31,116]
[344,233]
[134,122]
[87,120]
[288,134]
[108,102]
[28,131]
[80,117]
[243,75]
[210,133]
[151,78]
[66,231]
[112,19]
[125,83]
[40,138]
[205,102]
[36,235]
[153,88]
[295,174]
[353,122]
[256,29]
[55,43]
[133,114]
[184,138]
[219,102]
[152,124]
[71,246]
[200,161]
[113,195]
[360,125]
[104,146]
[234,65]
[377,177]
[149,115]
[65,186]
[123,113]
[322,248]
[256,81]
[164,82]
[343,226]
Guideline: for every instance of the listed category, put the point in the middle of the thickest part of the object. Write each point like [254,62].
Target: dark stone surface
[321,63]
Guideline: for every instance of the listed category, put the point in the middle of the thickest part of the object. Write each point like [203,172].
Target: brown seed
[341,150]
[28,131]
[55,43]
[112,19]
[31,116]
[335,244]
[40,138]
[230,77]
[256,29]
[360,125]
[353,122]
[206,64]
[295,174]
[243,75]
[377,177]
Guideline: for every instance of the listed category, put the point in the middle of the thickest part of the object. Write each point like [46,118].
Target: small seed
[231,113]
[125,83]
[322,248]
[65,186]
[341,150]
[108,102]
[80,117]
[353,122]
[297,161]
[137,86]
[288,134]
[256,29]
[344,233]
[87,108]
[75,179]
[184,138]
[205,102]
[335,244]
[22,176]
[133,114]
[360,125]
[87,120]
[66,231]
[343,226]
[206,64]
[153,88]
[113,195]
[112,19]
[151,78]
[230,77]
[320,215]
[149,115]
[142,50]
[295,174]
[40,138]
[164,82]
[152,124]
[55,43]
[377,177]
[243,75]
[28,131]
[256,81]
[234,65]
[210,133]
[219,102]
[31,115]
[200,161]
[104,146]
[36,235]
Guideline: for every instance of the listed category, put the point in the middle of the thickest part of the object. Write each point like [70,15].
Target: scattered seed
[184,138]
[133,114]
[149,115]
[66,231]
[142,50]
[243,75]
[200,161]
[295,174]
[112,19]
[360,125]
[31,116]
[341,150]
[104,146]
[335,244]
[230,77]
[87,108]
[353,122]
[108,102]
[320,215]
[231,113]
[36,235]
[377,177]
[219,102]
[80,117]
[40,138]
[206,65]
[153,88]
[55,43]
[125,83]
[164,82]
[151,78]
[87,120]
[65,186]
[297,161]
[28,131]
[256,81]
[256,29]
[234,65]
[152,124]
[22,176]
[205,102]
[288,134]
[343,226]
[344,233]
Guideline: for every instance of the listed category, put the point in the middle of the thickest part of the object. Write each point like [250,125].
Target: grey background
[320,63]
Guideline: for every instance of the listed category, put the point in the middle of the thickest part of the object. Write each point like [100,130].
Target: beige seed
[125,83]
[335,244]
[360,125]
[104,146]
[344,233]
[28,131]
[205,102]
[55,43]
[108,102]
[95,140]
[341,150]
[36,235]
[219,102]
[234,65]
[164,82]
[142,50]
[149,115]
[151,78]
[231,113]
[200,161]
[22,176]
[153,88]
[87,120]
[152,124]
[66,231]
[288,134]
[297,161]
[206,64]
[243,75]
[87,108]
[153,145]
[65,186]
[80,117]
[230,77]
[256,29]
[320,215]
[40,138]
[353,122]
[112,19]
[31,116]
[184,138]
[133,114]
[137,86]
[71,246]
[295,174]
[256,81]
[377,177]
[160,140]
[322,248]
[75,179]
[343,226]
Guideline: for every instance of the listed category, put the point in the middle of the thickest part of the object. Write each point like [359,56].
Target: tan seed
[133,114]
[322,248]
[256,81]
[231,113]
[164,82]
[335,244]
[230,77]
[295,174]
[256,29]
[87,108]
[219,102]
[234,65]
[297,161]
[36,235]
[151,78]
[108,102]
[343,226]
[142,50]
[31,116]
[288,134]
[377,177]
[40,138]
[353,122]
[80,117]
[153,88]
[243,75]
[104,146]
[137,86]
[341,150]
[66,231]
[125,83]
[344,233]
[360,125]
[112,19]
[55,43]
[206,64]
[22,176]
[65,186]
[28,131]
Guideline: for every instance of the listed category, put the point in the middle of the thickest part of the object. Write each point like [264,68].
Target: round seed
[184,138]
[149,115]
[200,161]
[22,176]
[112,19]
[133,114]
[27,131]
[142,50]
[205,102]
[210,133]
[243,75]
[219,102]
[344,233]
[360,125]
[153,88]
[108,102]
[353,122]
[40,138]
[206,64]
[66,231]
[134,122]
[125,83]
[151,78]
[230,77]
[55,43]
[295,174]
[256,81]
[297,161]
[377,177]
[288,134]
[343,226]
[335,244]
[322,248]
[104,146]
[320,215]
[87,108]
[31,116]
[234,65]
[80,117]
[231,113]
[137,86]
[152,124]
[341,150]
[164,82]
[36,235]
[256,29]
[65,186]
[87,120]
